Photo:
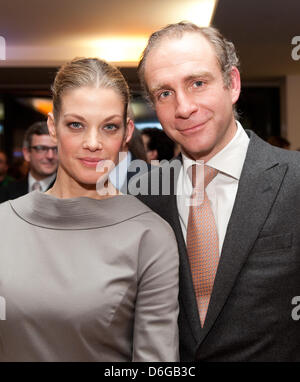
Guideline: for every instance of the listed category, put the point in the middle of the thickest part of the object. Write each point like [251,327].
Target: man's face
[192,104]
[42,164]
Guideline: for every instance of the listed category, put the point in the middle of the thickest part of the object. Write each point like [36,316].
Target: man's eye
[164,94]
[75,125]
[198,84]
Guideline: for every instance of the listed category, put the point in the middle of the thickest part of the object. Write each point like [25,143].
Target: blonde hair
[88,72]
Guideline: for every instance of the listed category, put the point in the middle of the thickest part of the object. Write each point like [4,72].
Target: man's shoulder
[290,156]
[18,185]
[260,149]
[14,189]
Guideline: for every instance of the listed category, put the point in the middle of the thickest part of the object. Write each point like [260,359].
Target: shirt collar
[230,159]
[45,183]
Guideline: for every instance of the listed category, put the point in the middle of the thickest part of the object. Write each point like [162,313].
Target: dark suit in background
[250,312]
[15,189]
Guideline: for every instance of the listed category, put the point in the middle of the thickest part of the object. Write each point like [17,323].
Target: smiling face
[42,164]
[89,129]
[192,104]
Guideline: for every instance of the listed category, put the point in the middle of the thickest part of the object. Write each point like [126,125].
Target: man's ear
[51,127]
[235,84]
[129,130]
[26,154]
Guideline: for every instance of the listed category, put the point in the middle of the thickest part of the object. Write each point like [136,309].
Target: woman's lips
[90,162]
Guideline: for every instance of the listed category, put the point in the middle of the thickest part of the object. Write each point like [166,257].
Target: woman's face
[89,129]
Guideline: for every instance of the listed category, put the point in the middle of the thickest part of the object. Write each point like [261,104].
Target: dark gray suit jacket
[250,313]
[15,189]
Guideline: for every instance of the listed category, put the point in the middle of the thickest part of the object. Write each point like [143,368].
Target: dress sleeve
[156,312]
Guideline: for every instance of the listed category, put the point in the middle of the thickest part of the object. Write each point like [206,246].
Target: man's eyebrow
[160,87]
[199,75]
[194,76]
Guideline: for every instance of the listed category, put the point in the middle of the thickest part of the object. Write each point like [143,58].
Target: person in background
[95,272]
[41,154]
[157,144]
[19,167]
[132,161]
[4,178]
[279,141]
[136,145]
[237,224]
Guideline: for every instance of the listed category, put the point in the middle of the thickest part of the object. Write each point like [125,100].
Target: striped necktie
[202,240]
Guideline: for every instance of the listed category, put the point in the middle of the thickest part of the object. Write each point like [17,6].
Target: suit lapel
[169,211]
[259,184]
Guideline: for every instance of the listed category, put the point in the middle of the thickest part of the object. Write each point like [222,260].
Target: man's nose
[92,140]
[51,154]
[185,106]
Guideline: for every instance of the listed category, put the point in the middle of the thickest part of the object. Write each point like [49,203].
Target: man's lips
[48,163]
[193,129]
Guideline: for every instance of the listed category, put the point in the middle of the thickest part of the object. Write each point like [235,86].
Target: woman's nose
[92,140]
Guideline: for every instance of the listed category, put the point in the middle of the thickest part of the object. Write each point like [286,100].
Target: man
[243,308]
[4,178]
[41,153]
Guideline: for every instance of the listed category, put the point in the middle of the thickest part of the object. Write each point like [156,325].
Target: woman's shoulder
[7,213]
[5,208]
[84,213]
[145,213]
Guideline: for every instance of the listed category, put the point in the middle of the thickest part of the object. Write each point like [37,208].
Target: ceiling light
[119,49]
[198,12]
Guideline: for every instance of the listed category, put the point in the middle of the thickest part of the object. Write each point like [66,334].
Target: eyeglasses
[44,149]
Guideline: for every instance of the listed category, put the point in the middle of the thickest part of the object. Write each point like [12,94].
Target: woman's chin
[87,182]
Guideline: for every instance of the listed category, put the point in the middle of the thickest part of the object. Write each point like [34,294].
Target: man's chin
[45,174]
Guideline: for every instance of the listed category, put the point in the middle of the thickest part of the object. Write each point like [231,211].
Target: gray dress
[87,280]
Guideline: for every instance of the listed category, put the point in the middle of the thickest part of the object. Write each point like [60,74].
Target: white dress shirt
[222,190]
[45,183]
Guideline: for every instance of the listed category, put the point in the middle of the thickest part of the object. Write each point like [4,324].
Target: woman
[87,274]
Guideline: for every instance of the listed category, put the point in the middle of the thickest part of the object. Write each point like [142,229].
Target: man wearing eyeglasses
[41,154]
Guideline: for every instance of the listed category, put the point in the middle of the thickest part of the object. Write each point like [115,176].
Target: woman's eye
[110,127]
[75,125]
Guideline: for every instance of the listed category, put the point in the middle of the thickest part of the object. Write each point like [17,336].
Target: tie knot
[36,186]
[209,174]
[202,175]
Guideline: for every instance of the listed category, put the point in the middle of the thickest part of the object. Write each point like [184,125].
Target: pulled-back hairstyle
[224,49]
[91,72]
